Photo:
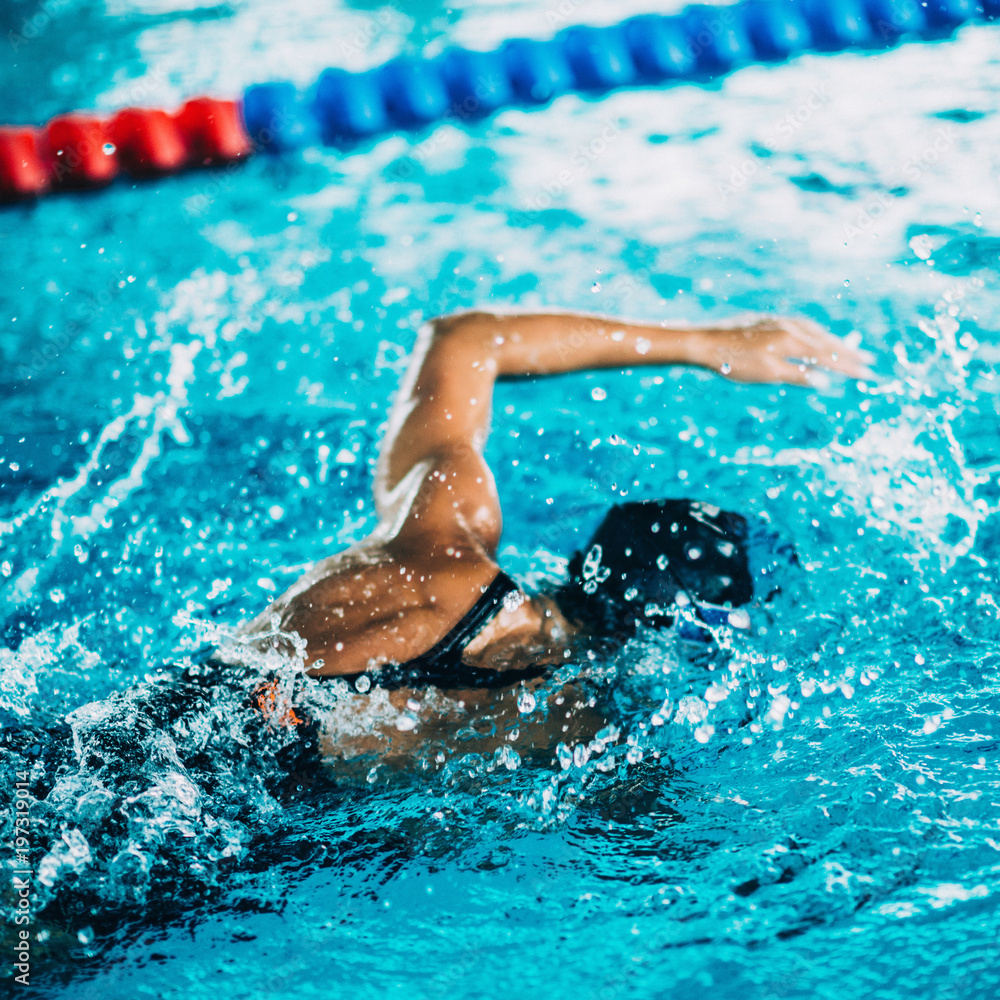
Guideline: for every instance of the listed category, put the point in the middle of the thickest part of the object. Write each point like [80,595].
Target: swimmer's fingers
[834,361]
[780,349]
[796,371]
[811,344]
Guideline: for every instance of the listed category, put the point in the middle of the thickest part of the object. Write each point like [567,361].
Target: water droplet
[595,287]
[85,935]
[738,618]
[507,756]
[108,148]
[847,282]
[525,702]
[363,683]
[726,368]
[716,692]
[598,393]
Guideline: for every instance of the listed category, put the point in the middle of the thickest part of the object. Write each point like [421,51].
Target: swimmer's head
[647,558]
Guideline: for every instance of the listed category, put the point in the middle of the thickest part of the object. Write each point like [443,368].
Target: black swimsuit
[442,665]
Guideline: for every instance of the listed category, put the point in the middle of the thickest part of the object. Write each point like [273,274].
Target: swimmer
[422,604]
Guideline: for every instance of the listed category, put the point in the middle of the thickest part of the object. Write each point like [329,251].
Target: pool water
[195,373]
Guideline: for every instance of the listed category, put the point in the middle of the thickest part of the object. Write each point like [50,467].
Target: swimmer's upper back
[376,604]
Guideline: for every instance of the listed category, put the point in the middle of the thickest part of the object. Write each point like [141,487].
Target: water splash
[907,473]
[69,510]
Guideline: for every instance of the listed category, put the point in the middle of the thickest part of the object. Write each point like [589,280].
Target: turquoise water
[194,376]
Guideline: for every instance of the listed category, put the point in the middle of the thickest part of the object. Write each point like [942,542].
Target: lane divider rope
[699,44]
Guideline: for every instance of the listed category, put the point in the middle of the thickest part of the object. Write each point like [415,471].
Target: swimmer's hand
[775,349]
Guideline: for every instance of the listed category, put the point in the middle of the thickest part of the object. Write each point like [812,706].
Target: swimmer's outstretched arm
[768,350]
[432,484]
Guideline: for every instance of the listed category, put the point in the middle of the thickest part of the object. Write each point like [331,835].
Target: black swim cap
[646,556]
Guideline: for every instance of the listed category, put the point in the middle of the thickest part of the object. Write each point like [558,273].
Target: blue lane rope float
[700,43]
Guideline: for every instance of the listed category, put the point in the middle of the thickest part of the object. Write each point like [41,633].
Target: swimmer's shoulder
[372,605]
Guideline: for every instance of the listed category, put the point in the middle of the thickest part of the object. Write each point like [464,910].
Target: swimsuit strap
[448,651]
[442,664]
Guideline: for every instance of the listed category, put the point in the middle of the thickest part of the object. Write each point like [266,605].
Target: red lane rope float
[79,152]
[22,168]
[84,151]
